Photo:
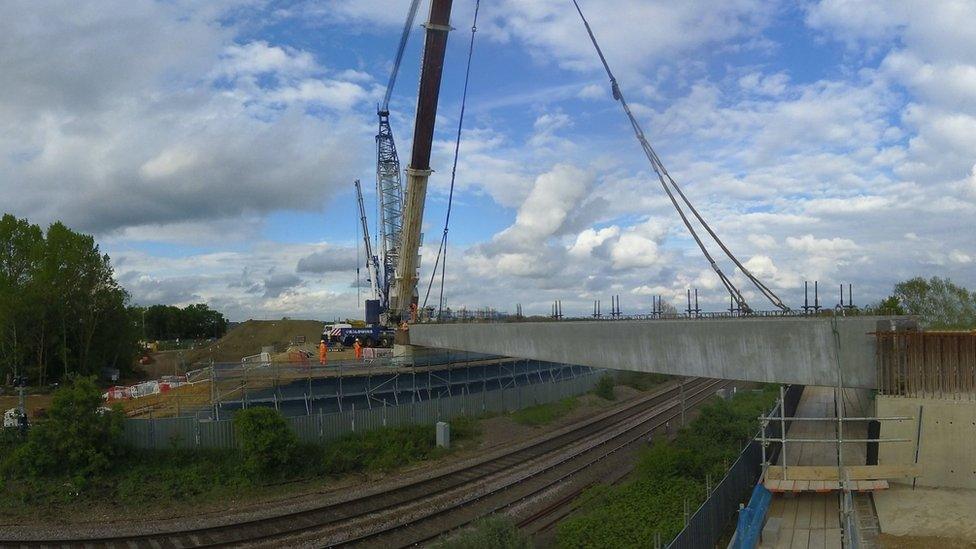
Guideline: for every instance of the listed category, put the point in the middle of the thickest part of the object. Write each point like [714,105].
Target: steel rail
[381,537]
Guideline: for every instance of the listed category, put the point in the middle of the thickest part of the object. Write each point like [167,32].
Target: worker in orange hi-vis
[323,352]
[413,312]
[358,348]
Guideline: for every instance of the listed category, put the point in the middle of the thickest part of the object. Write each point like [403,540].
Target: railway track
[532,483]
[545,517]
[385,514]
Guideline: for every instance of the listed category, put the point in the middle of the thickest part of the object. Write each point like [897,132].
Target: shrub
[667,475]
[380,449]
[390,447]
[267,443]
[465,427]
[489,533]
[604,388]
[78,438]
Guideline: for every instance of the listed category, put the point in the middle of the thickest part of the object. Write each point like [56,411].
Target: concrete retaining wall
[797,350]
[947,446]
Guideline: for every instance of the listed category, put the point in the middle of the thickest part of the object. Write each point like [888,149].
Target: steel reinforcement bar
[927,364]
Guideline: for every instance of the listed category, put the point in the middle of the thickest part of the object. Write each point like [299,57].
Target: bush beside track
[91,466]
[158,484]
[667,474]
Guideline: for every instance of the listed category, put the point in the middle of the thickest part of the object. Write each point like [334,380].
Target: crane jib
[435,46]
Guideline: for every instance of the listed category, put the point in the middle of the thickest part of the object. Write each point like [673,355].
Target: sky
[211,147]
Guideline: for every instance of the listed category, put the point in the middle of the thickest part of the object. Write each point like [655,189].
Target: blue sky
[211,147]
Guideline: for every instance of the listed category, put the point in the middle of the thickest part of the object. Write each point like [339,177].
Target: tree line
[61,309]
[167,322]
[939,303]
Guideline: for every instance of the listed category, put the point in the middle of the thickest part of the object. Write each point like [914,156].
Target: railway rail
[534,482]
[408,514]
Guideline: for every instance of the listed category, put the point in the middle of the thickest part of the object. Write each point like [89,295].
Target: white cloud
[765,84]
[762,241]
[168,162]
[848,205]
[634,250]
[948,84]
[340,96]
[934,29]
[970,183]
[591,239]
[259,57]
[545,128]
[554,196]
[632,247]
[164,119]
[551,31]
[592,91]
[958,256]
[821,246]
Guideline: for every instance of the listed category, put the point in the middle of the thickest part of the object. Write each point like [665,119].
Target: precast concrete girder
[800,350]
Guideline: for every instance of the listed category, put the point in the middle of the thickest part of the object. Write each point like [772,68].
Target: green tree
[268,445]
[197,321]
[938,302]
[61,310]
[21,249]
[888,306]
[78,438]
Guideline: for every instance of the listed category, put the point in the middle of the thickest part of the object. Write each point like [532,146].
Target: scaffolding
[307,389]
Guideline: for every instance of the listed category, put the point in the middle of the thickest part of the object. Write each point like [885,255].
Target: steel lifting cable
[768,293]
[652,158]
[442,250]
[662,172]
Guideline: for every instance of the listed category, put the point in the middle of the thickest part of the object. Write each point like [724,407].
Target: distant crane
[372,262]
[394,286]
[389,188]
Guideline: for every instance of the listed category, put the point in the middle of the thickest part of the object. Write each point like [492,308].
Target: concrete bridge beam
[765,349]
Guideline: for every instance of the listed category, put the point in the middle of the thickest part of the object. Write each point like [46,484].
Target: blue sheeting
[751,518]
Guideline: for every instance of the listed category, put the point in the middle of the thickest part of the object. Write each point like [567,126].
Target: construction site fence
[189,433]
[927,364]
[302,365]
[708,524]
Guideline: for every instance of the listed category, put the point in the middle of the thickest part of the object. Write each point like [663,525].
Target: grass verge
[544,414]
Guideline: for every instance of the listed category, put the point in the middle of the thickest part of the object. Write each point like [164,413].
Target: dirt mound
[250,337]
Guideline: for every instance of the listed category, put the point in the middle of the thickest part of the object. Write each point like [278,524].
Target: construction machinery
[389,189]
[393,272]
[379,293]
[403,291]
